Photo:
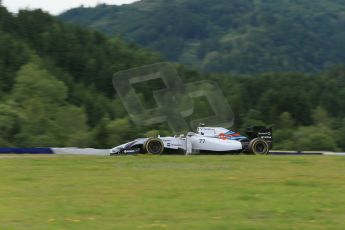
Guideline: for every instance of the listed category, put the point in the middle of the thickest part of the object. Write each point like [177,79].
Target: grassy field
[202,192]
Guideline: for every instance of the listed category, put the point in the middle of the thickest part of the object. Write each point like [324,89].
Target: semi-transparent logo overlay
[175,103]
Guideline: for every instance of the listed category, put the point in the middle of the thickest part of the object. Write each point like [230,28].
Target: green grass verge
[178,192]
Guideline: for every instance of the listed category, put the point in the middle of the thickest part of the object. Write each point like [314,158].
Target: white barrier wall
[78,151]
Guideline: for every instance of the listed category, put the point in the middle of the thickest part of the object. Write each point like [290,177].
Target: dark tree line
[233,36]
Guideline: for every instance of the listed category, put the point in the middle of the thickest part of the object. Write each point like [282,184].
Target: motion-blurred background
[279,63]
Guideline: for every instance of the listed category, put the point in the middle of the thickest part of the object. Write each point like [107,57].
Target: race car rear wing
[261,132]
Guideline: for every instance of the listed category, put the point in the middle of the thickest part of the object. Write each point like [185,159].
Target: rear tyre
[153,146]
[258,146]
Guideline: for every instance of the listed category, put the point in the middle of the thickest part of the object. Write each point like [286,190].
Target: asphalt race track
[105,152]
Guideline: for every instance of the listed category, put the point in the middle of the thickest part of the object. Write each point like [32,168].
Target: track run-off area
[172,192]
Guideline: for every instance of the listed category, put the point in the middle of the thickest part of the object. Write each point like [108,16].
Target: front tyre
[153,146]
[259,147]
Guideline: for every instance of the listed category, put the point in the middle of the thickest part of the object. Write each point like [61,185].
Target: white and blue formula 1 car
[206,140]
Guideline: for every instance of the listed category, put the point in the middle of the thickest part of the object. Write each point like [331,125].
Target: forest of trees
[232,36]
[56,90]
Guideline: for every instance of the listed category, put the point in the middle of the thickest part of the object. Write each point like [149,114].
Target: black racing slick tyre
[259,147]
[153,146]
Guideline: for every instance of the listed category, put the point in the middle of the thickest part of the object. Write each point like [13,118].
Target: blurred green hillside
[56,90]
[56,80]
[233,36]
